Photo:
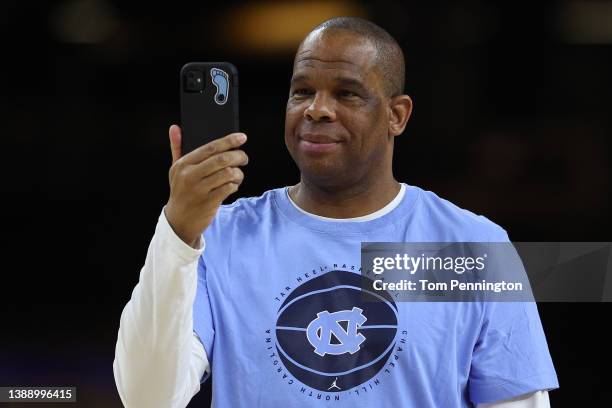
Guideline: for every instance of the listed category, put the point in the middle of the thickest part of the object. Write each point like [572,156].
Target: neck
[349,201]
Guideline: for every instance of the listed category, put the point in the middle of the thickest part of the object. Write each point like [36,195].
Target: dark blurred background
[512,120]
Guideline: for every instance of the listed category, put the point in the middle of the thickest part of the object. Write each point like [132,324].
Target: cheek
[292,116]
[379,123]
[289,125]
[369,126]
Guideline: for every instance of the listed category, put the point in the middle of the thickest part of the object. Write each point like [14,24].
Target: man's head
[346,103]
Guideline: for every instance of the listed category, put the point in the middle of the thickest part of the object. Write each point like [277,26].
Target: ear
[400,109]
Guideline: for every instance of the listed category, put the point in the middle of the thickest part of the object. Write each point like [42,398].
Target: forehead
[337,51]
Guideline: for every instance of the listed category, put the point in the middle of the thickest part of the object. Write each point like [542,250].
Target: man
[262,291]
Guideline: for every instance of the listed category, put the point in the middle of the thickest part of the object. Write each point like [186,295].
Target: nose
[321,109]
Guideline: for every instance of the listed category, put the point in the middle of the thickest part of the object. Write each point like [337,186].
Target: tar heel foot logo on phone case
[220,80]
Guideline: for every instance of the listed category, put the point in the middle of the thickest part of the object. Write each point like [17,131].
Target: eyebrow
[346,81]
[351,82]
[299,78]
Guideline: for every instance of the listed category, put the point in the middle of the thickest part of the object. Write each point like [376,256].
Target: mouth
[318,138]
[312,143]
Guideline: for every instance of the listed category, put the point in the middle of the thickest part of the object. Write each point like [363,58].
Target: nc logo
[319,332]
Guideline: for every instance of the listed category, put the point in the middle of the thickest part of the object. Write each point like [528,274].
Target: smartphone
[209,103]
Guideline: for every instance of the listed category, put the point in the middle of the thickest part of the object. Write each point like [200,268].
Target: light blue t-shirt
[279,312]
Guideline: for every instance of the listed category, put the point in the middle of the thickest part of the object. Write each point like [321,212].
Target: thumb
[175,142]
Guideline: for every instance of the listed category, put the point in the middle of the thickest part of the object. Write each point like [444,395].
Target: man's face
[336,123]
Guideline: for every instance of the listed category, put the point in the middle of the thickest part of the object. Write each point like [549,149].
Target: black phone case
[206,112]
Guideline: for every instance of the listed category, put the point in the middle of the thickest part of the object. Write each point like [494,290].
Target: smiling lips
[312,143]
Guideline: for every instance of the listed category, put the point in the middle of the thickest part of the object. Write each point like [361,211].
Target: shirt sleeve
[538,399]
[203,322]
[511,356]
[158,359]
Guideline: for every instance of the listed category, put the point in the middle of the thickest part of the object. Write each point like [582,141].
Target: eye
[347,94]
[300,92]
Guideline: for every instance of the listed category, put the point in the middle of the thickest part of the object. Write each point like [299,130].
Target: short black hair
[390,57]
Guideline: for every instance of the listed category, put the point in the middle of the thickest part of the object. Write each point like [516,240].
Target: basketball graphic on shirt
[333,335]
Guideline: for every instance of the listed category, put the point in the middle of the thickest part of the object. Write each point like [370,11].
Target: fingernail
[241,138]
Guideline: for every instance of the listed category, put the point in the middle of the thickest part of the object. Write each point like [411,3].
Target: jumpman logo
[334,385]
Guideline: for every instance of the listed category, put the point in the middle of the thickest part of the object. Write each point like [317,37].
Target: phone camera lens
[194,81]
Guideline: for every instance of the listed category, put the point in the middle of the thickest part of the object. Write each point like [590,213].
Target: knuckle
[178,165]
[210,148]
[184,173]
[222,159]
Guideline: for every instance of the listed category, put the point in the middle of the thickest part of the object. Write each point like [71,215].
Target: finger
[232,158]
[222,192]
[175,142]
[221,177]
[223,144]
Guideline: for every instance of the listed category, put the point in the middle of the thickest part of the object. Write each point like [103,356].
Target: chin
[323,167]
[329,175]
